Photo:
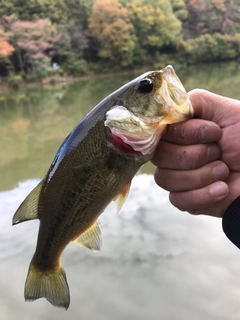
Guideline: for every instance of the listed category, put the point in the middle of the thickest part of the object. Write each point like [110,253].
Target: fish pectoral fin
[28,210]
[91,238]
[122,196]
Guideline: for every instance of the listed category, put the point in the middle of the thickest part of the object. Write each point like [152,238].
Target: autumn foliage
[111,28]
[32,40]
[85,36]
[6,49]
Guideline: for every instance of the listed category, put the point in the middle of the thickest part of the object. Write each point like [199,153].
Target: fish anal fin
[91,238]
[28,210]
[49,284]
[122,196]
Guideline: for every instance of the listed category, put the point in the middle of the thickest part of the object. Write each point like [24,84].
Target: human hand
[199,160]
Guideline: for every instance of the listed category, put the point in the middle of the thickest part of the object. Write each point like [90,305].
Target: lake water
[156,262]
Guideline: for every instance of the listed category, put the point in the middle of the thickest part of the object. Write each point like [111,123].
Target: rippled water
[156,262]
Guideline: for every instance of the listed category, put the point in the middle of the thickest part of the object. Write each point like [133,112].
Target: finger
[193,131]
[212,107]
[194,201]
[183,180]
[171,156]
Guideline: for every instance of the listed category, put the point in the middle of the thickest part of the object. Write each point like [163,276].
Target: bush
[14,81]
[42,68]
[75,66]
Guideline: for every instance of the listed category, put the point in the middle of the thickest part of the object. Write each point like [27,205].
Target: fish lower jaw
[179,114]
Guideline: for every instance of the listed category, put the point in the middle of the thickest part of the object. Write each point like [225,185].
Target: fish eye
[145,86]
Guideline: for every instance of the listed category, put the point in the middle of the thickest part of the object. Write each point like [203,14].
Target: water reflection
[155,263]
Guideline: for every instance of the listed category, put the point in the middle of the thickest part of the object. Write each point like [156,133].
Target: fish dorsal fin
[28,210]
[122,196]
[91,238]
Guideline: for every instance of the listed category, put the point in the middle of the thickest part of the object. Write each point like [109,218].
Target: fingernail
[210,133]
[219,190]
[220,171]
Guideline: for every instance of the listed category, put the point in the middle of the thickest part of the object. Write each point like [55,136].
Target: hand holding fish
[199,159]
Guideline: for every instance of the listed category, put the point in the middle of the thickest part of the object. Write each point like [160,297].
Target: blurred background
[156,262]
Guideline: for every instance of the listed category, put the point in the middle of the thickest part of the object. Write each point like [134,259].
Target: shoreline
[57,80]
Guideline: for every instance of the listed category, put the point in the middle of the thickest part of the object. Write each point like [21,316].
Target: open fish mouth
[175,96]
[142,133]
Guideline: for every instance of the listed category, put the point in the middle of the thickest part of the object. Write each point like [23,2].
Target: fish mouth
[179,107]
[142,133]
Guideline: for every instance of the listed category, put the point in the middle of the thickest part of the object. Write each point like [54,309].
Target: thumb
[213,107]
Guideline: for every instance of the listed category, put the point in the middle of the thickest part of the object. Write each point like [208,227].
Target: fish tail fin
[50,284]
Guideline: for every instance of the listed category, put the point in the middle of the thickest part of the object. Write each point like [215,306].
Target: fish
[94,166]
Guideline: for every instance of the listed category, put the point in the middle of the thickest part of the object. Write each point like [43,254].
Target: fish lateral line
[90,163]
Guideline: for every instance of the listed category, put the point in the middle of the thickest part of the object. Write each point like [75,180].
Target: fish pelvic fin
[28,210]
[91,238]
[49,284]
[122,196]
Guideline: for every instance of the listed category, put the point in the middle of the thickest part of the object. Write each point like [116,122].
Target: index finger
[194,131]
[210,106]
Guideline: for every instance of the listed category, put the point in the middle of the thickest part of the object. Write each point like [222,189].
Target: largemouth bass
[95,165]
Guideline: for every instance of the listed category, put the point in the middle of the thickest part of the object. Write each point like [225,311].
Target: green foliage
[155,25]
[75,66]
[237,27]
[35,9]
[42,68]
[212,47]
[14,81]
[179,9]
[79,11]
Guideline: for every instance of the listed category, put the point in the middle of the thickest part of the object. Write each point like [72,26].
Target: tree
[219,4]
[32,40]
[211,17]
[58,11]
[79,40]
[110,27]
[155,25]
[79,11]
[6,49]
[179,9]
[35,9]
[7,23]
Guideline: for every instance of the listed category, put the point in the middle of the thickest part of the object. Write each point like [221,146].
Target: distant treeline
[92,36]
